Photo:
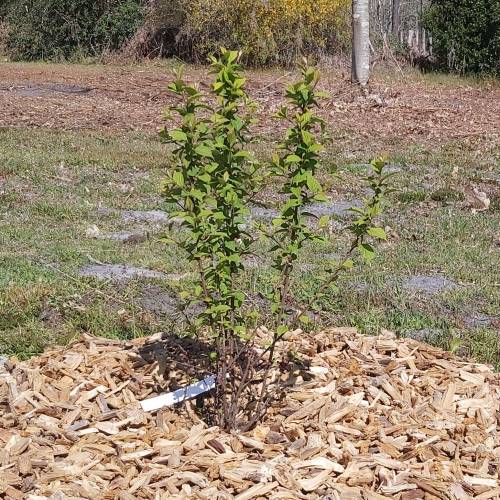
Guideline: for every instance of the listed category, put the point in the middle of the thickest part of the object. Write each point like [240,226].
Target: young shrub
[296,164]
[212,184]
[188,185]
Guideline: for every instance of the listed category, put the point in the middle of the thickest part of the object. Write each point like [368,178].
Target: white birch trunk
[360,41]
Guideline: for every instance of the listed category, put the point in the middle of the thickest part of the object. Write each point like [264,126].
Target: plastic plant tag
[171,398]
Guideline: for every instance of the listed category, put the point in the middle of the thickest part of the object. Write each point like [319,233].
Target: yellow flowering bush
[267,31]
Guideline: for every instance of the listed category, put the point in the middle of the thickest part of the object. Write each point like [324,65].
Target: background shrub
[466,34]
[4,8]
[118,24]
[57,29]
[266,31]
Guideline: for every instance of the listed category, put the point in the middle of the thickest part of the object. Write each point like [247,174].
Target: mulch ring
[364,418]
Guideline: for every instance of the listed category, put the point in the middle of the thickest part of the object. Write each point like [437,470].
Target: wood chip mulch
[360,418]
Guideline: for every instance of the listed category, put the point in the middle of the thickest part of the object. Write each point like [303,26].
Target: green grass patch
[56,184]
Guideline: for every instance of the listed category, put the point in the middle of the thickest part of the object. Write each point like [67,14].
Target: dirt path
[132,98]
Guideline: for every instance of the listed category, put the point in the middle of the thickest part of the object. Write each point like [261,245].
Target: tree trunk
[360,42]
[395,16]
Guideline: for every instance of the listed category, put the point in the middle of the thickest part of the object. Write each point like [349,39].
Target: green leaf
[316,148]
[239,82]
[304,319]
[322,94]
[178,135]
[313,184]
[232,55]
[293,159]
[320,197]
[281,330]
[348,264]
[324,220]
[204,178]
[204,150]
[377,232]
[366,251]
[178,178]
[243,154]
[307,137]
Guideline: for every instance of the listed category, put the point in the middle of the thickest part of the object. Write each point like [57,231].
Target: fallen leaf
[477,200]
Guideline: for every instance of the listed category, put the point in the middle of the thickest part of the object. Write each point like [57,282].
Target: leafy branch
[212,181]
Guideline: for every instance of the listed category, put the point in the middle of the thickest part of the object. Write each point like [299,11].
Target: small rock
[478,320]
[427,335]
[275,438]
[119,272]
[263,213]
[126,236]
[429,284]
[151,216]
[148,216]
[477,200]
[338,208]
[392,168]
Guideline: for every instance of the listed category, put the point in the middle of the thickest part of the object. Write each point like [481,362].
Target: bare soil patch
[132,98]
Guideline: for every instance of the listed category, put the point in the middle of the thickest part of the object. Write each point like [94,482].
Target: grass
[435,77]
[52,185]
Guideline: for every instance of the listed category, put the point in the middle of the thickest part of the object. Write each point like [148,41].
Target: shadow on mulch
[184,360]
[180,359]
